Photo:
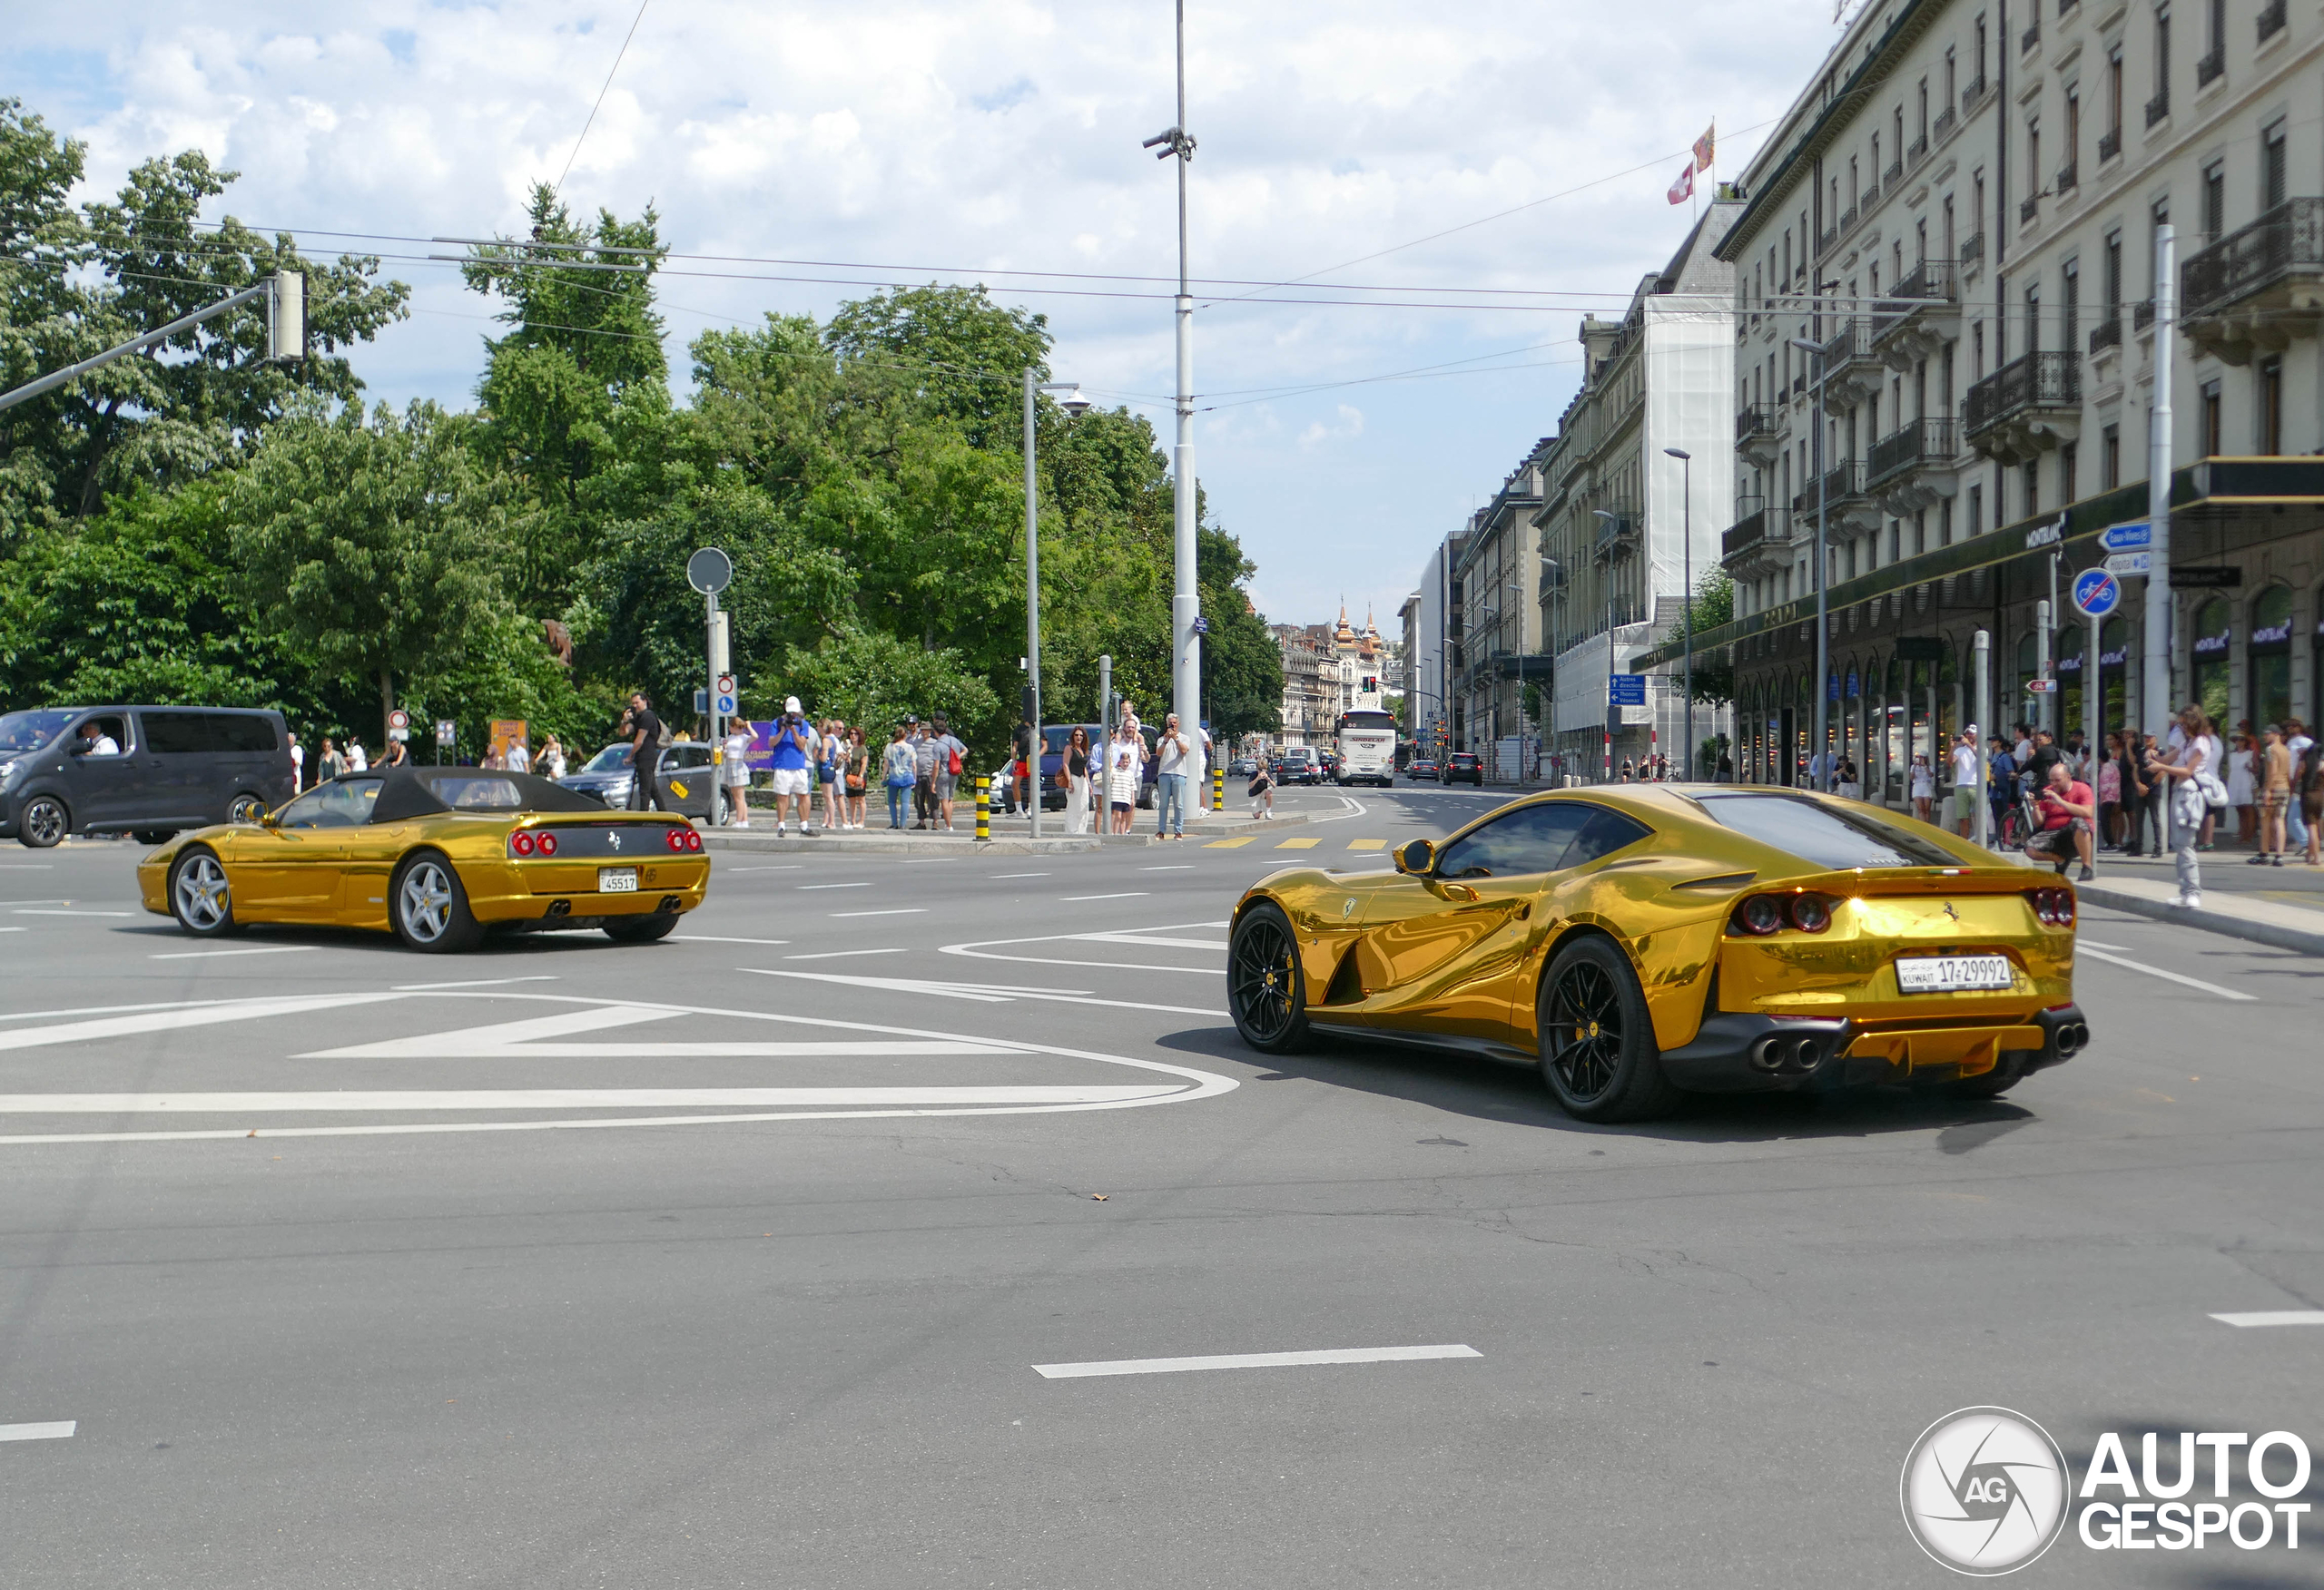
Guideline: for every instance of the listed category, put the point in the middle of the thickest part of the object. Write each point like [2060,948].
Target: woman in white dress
[1077,781]
[1923,787]
[2239,791]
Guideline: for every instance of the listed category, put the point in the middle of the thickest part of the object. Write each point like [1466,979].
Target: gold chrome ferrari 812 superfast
[439,856]
[1642,942]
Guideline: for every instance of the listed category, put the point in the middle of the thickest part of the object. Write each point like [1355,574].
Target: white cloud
[1004,133]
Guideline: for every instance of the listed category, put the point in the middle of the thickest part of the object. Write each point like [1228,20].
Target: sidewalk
[1011,836]
[2280,907]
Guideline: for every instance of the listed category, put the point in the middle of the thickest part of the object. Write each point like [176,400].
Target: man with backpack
[944,768]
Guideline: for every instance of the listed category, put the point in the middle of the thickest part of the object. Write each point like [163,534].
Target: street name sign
[1625,689]
[2128,563]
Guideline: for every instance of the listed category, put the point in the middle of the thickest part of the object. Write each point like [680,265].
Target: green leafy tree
[1713,605]
[954,349]
[376,544]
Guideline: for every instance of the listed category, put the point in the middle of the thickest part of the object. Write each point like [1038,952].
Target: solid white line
[1254,1360]
[2160,972]
[14,930]
[561,1098]
[251,949]
[76,913]
[984,993]
[57,1431]
[808,886]
[906,911]
[836,954]
[1001,875]
[476,983]
[1173,867]
[714,938]
[1135,894]
[28,866]
[2274,1317]
[171,1017]
[1142,939]
[788,867]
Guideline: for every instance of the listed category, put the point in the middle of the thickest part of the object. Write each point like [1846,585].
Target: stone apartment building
[1958,215]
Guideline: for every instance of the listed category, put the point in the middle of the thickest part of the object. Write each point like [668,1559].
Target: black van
[146,771]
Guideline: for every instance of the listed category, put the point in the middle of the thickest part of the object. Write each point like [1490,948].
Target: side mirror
[1416,856]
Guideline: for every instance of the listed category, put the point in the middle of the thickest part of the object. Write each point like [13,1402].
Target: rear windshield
[31,731]
[1827,836]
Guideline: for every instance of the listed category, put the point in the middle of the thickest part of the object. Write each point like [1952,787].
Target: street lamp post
[1185,682]
[1554,580]
[1823,624]
[1687,583]
[1611,518]
[1075,405]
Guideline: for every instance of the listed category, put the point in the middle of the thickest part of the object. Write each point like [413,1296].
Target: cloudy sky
[984,139]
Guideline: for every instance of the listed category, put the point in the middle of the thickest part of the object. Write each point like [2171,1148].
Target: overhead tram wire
[602,91]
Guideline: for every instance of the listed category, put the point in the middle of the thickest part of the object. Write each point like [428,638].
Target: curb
[2268,933]
[964,847]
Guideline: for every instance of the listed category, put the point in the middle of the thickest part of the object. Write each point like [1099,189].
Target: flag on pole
[1705,147]
[1684,188]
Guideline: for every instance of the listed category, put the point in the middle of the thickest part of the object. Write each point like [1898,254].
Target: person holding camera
[795,745]
[2069,815]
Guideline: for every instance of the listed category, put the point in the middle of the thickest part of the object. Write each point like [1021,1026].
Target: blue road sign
[2135,536]
[726,705]
[1625,689]
[2096,593]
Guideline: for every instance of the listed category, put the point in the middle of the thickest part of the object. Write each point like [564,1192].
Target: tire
[1266,989]
[428,909]
[245,808]
[1598,1057]
[642,929]
[42,823]
[201,896]
[155,837]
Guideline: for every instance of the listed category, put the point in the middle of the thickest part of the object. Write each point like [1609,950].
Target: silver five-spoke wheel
[426,899]
[203,902]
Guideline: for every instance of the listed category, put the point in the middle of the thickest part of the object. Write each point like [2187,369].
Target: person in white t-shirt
[1175,753]
[2296,740]
[1923,787]
[520,760]
[357,763]
[1967,775]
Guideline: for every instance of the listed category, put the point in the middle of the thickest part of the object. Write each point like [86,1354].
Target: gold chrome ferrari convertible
[440,856]
[1643,942]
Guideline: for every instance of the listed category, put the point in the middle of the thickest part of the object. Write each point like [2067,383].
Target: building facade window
[2069,455]
[2110,458]
[2214,201]
[2272,406]
[2213,632]
[2207,419]
[2271,166]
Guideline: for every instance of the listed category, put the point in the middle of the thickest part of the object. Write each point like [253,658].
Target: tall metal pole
[1822,781]
[1033,609]
[2156,655]
[1982,644]
[1185,681]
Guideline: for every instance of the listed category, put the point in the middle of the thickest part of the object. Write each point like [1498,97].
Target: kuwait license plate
[616,880]
[1949,974]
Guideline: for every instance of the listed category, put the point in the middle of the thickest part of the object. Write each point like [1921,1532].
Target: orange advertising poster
[506,732]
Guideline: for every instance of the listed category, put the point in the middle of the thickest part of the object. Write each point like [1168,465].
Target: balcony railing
[1971,248]
[2289,238]
[1931,281]
[2157,107]
[1825,244]
[1842,483]
[1848,218]
[2110,144]
[2272,20]
[1865,202]
[2069,176]
[1893,175]
[2108,332]
[2028,208]
[1922,442]
[1919,151]
[1943,124]
[2208,69]
[1852,341]
[2142,315]
[2034,380]
[1751,529]
[1799,385]
[1757,419]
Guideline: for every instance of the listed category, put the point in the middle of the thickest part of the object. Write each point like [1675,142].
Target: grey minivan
[146,771]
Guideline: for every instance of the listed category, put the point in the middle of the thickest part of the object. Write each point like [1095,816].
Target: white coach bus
[1367,747]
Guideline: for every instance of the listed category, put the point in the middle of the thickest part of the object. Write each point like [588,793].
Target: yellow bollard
[984,807]
[1219,789]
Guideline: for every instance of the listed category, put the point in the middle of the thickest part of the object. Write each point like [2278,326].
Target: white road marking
[1001,875]
[905,911]
[474,983]
[2274,1317]
[1173,867]
[76,913]
[714,938]
[562,1098]
[1191,1085]
[2160,972]
[836,954]
[247,950]
[787,867]
[809,885]
[981,949]
[1254,1360]
[28,866]
[1134,938]
[981,993]
[1135,894]
[14,930]
[168,1019]
[55,1431]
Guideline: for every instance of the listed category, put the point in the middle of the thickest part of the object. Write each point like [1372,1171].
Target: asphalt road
[728,1260]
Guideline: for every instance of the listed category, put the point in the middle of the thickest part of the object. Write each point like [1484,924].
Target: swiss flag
[1684,188]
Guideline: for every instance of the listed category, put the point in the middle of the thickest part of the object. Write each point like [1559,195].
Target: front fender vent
[1346,986]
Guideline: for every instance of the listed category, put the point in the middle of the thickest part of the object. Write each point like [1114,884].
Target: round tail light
[548,843]
[1759,915]
[1811,913]
[522,844]
[694,840]
[674,840]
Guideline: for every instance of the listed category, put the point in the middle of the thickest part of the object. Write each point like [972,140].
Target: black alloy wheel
[1598,1052]
[1267,991]
[44,822]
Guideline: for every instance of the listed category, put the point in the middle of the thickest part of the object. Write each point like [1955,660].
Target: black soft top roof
[406,792]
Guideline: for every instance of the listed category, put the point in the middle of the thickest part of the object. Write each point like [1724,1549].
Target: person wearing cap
[795,744]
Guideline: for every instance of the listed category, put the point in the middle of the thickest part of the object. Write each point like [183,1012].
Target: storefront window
[2271,653]
[2114,672]
[2071,691]
[2213,630]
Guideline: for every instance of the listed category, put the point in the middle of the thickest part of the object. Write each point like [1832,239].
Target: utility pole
[1186,683]
[285,293]
[1074,405]
[2156,655]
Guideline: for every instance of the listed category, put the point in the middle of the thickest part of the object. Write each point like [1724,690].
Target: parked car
[682,776]
[144,770]
[1423,767]
[1243,767]
[1301,766]
[1465,767]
